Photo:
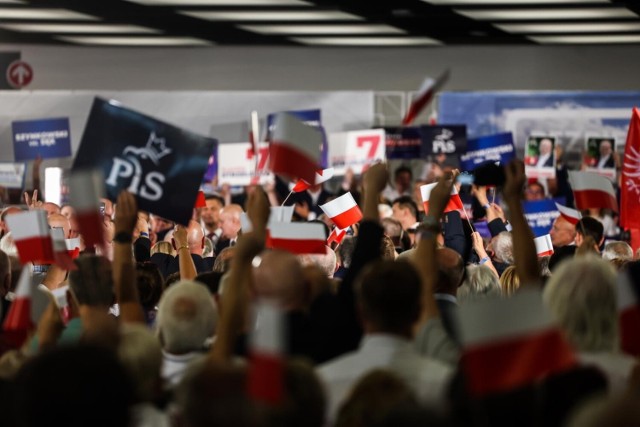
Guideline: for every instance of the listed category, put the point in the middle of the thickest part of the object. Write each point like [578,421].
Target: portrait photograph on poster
[600,155]
[539,157]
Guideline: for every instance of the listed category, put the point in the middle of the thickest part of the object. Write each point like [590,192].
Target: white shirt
[427,377]
[602,161]
[615,366]
[174,366]
[542,160]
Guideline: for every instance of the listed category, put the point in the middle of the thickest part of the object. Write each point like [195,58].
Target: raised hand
[440,195]
[126,213]
[516,179]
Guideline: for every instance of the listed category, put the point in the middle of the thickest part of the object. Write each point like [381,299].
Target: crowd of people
[164,325]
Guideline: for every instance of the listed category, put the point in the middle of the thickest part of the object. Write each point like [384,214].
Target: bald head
[195,238]
[450,269]
[280,277]
[57,220]
[562,232]
[51,208]
[230,221]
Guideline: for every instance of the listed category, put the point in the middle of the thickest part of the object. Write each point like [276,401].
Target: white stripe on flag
[339,205]
[293,132]
[581,181]
[28,224]
[297,231]
[85,189]
[569,212]
[543,245]
[281,214]
[268,338]
[425,191]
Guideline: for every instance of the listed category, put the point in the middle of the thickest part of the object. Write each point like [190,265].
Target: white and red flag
[321,176]
[31,234]
[630,179]
[510,343]
[629,309]
[591,190]
[63,255]
[343,211]
[424,95]
[201,201]
[295,148]
[571,215]
[267,355]
[337,235]
[455,203]
[297,237]
[86,188]
[18,322]
[544,247]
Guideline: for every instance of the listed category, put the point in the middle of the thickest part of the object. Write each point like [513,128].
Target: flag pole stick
[468,220]
[287,198]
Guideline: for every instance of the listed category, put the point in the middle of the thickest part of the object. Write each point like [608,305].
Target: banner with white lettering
[491,148]
[447,139]
[403,143]
[47,138]
[355,150]
[235,163]
[540,214]
[161,164]
[12,175]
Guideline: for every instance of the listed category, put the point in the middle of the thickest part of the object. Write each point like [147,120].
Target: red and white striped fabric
[266,355]
[544,247]
[455,203]
[63,255]
[281,214]
[571,215]
[424,95]
[294,149]
[336,235]
[629,310]
[343,211]
[297,237]
[18,322]
[509,343]
[591,190]
[321,176]
[31,234]
[86,188]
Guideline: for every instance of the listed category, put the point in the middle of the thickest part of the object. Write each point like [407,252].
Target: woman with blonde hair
[509,281]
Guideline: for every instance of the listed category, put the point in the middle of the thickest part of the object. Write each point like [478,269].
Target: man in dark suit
[545,156]
[230,226]
[307,203]
[605,158]
[194,246]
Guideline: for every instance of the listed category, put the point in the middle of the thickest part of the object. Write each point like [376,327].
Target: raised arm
[187,266]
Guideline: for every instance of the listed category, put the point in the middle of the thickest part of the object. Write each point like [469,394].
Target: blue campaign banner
[212,168]
[403,142]
[46,138]
[540,214]
[493,148]
[161,164]
[483,228]
[311,118]
[448,139]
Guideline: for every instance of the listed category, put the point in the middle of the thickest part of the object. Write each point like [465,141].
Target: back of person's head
[92,282]
[503,247]
[211,279]
[509,281]
[163,247]
[543,262]
[141,355]
[72,386]
[187,316]
[325,262]
[279,277]
[389,296]
[592,227]
[617,250]
[222,263]
[150,284]
[480,282]
[393,229]
[345,250]
[581,295]
[172,279]
[607,411]
[388,249]
[451,271]
[406,202]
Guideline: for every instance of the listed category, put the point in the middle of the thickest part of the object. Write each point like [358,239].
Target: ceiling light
[599,27]
[532,14]
[366,41]
[77,28]
[272,15]
[595,39]
[32,13]
[135,41]
[322,29]
[508,2]
[222,2]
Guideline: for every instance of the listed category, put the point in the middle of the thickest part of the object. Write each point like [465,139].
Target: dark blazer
[304,197]
[168,264]
[549,162]
[610,163]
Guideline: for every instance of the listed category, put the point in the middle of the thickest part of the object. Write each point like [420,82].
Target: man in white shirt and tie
[545,158]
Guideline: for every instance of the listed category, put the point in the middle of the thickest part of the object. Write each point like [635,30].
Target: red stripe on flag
[629,330]
[570,219]
[265,378]
[547,253]
[348,217]
[287,160]
[513,363]
[585,199]
[416,107]
[19,315]
[200,200]
[38,249]
[454,204]
[91,227]
[301,185]
[65,261]
[298,246]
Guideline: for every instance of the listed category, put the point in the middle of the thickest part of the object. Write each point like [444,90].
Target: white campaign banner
[355,150]
[235,163]
[12,175]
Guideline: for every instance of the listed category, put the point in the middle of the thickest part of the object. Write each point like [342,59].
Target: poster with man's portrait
[599,155]
[539,157]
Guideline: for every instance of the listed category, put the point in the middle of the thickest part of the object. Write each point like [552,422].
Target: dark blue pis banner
[47,138]
[403,142]
[491,148]
[161,164]
[443,139]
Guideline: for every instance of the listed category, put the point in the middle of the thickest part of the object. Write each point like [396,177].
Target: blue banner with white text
[45,138]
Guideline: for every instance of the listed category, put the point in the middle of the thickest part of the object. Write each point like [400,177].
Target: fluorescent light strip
[78,28]
[366,41]
[595,39]
[52,14]
[135,41]
[508,2]
[272,15]
[322,29]
[601,27]
[222,2]
[533,14]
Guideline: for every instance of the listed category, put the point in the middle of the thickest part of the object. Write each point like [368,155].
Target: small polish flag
[629,309]
[201,202]
[297,237]
[321,176]
[31,234]
[294,149]
[86,188]
[571,215]
[455,203]
[280,214]
[63,256]
[424,95]
[336,235]
[266,357]
[343,211]
[510,343]
[544,247]
[18,322]
[591,190]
